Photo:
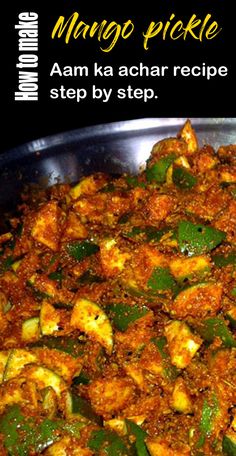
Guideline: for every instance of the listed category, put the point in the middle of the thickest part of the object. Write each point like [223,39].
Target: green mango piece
[140,435]
[82,407]
[24,434]
[209,412]
[123,314]
[195,239]
[57,275]
[182,178]
[170,371]
[81,250]
[223,260]
[161,279]
[229,445]
[233,291]
[6,264]
[133,182]
[231,316]
[136,231]
[81,379]
[216,327]
[158,171]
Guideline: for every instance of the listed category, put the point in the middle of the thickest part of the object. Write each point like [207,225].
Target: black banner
[70,64]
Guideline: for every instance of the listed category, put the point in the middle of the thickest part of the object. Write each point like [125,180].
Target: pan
[112,148]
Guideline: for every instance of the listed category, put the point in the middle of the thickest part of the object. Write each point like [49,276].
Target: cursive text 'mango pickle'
[109,32]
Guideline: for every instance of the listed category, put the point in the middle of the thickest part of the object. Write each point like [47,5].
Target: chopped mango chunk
[182,344]
[30,330]
[49,319]
[159,207]
[74,228]
[181,161]
[62,363]
[151,360]
[5,237]
[181,400]
[66,446]
[160,447]
[201,300]
[3,361]
[117,424]
[87,186]
[90,318]
[110,395]
[112,259]
[44,377]
[46,226]
[17,359]
[186,267]
[134,371]
[187,133]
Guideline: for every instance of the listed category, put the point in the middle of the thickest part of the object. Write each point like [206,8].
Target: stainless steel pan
[113,148]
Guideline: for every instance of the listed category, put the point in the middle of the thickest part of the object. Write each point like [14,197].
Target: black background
[178,97]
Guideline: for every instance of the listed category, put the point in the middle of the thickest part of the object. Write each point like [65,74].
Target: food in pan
[118,311]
